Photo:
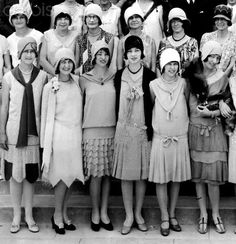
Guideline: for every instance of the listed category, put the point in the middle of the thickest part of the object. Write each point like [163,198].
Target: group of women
[161,117]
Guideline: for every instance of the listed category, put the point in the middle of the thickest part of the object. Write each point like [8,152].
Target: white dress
[13,40]
[66,156]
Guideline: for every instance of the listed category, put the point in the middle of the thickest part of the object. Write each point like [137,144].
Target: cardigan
[148,76]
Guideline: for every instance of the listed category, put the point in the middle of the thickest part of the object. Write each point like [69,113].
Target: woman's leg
[60,192]
[16,190]
[95,192]
[104,201]
[214,195]
[162,197]
[202,202]
[28,191]
[174,194]
[67,196]
[201,197]
[127,194]
[140,189]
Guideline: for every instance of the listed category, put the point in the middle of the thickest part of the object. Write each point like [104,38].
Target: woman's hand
[225,109]
[3,142]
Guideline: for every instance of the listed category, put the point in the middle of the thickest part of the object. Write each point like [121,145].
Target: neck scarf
[27,119]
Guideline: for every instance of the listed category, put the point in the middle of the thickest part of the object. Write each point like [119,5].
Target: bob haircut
[16,15]
[106,50]
[60,16]
[186,26]
[206,59]
[163,70]
[57,71]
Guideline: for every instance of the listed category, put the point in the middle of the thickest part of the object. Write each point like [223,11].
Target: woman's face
[66,66]
[63,23]
[92,21]
[134,55]
[19,21]
[135,21]
[176,25]
[102,58]
[28,55]
[212,61]
[171,69]
[221,23]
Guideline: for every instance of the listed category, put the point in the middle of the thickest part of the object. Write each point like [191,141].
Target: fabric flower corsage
[55,85]
[134,93]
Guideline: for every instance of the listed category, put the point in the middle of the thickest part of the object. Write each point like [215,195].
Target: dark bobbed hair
[206,59]
[15,16]
[57,70]
[107,52]
[62,15]
[99,20]
[134,42]
[186,26]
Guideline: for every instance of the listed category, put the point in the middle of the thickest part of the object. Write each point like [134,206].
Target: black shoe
[95,227]
[108,226]
[165,231]
[69,226]
[175,227]
[58,229]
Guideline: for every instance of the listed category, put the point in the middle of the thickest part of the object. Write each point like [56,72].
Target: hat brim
[223,17]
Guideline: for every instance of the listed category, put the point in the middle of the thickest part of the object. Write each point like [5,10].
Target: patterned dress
[187,48]
[84,46]
[228,47]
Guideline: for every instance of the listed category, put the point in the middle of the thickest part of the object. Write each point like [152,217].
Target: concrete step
[80,207]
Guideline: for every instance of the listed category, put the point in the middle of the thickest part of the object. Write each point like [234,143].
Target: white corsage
[134,93]
[55,84]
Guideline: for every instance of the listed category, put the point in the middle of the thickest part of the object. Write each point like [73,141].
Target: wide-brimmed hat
[223,11]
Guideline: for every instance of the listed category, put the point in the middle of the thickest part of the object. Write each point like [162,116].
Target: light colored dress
[131,148]
[98,124]
[228,47]
[187,48]
[54,43]
[207,141]
[13,40]
[28,155]
[153,25]
[110,20]
[76,11]
[66,133]
[170,159]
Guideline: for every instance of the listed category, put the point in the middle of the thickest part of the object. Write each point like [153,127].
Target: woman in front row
[170,162]
[133,131]
[98,132]
[61,135]
[207,141]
